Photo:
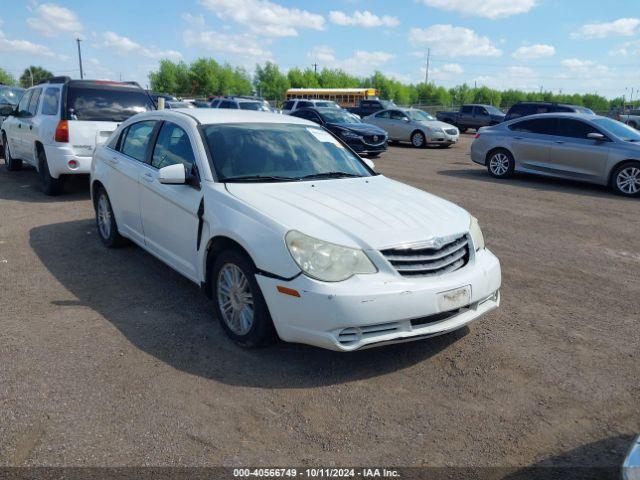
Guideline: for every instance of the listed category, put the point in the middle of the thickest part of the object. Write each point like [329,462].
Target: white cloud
[363,19]
[447,40]
[530,52]
[23,46]
[452,68]
[584,67]
[623,27]
[360,63]
[488,8]
[628,48]
[266,18]
[126,46]
[51,19]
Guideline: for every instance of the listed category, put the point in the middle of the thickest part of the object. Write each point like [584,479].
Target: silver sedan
[415,126]
[587,148]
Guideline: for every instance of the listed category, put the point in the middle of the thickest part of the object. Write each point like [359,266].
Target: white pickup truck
[632,119]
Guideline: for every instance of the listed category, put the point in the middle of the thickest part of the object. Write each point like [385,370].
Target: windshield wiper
[331,175]
[259,178]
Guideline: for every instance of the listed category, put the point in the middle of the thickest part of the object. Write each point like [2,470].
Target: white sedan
[289,231]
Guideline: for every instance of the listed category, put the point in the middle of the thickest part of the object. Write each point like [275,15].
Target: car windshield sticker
[323,136]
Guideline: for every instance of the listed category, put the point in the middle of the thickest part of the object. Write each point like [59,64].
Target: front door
[170,212]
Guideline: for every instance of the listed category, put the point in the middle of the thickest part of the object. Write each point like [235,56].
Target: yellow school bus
[345,97]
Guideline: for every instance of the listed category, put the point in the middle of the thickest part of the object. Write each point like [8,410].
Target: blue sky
[569,45]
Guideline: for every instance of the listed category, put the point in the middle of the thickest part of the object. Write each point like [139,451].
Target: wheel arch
[494,150]
[618,165]
[214,247]
[96,186]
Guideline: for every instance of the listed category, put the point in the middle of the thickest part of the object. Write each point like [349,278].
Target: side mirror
[406,119]
[6,110]
[172,175]
[369,163]
[598,137]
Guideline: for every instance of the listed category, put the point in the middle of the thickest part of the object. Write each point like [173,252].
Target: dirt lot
[111,358]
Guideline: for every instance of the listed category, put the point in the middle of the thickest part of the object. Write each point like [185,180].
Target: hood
[360,128]
[435,124]
[368,213]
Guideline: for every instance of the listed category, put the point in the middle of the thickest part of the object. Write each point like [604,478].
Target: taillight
[62,132]
[477,135]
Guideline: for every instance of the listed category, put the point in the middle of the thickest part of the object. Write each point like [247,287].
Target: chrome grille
[374,139]
[430,261]
[452,131]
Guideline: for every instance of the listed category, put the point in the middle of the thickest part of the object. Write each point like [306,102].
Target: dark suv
[524,109]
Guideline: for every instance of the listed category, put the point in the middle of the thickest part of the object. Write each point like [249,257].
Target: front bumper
[443,138]
[363,148]
[371,310]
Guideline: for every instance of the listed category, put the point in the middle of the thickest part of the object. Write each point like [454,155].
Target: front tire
[501,164]
[239,303]
[106,222]
[625,180]
[12,164]
[418,140]
[50,186]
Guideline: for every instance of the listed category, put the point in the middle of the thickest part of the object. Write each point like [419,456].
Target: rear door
[531,143]
[95,109]
[30,127]
[170,212]
[573,155]
[128,163]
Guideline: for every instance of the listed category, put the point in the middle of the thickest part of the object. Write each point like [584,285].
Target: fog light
[73,164]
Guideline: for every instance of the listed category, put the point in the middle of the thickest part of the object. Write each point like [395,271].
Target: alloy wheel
[628,180]
[104,216]
[499,164]
[417,139]
[235,299]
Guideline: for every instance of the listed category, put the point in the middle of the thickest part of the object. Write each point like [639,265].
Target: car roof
[209,116]
[575,115]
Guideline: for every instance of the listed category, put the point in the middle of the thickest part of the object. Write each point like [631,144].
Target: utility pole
[426,75]
[80,58]
[315,69]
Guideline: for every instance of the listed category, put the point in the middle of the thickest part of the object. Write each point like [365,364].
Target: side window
[23,106]
[466,109]
[397,115]
[541,126]
[304,104]
[540,109]
[288,105]
[136,140]
[50,101]
[384,114]
[481,111]
[35,99]
[574,128]
[516,111]
[227,104]
[173,146]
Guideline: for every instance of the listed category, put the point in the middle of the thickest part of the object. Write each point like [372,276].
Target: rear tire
[500,164]
[106,222]
[462,129]
[50,186]
[625,179]
[12,164]
[239,303]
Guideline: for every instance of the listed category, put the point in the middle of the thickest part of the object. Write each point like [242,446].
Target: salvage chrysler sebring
[289,231]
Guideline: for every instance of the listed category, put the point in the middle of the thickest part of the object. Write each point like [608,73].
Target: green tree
[171,78]
[270,82]
[6,78]
[34,75]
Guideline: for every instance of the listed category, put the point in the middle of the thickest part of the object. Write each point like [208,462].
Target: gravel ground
[110,358]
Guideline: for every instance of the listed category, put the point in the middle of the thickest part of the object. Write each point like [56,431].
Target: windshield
[619,129]
[493,110]
[327,104]
[253,106]
[339,116]
[106,104]
[278,152]
[419,116]
[10,95]
[387,103]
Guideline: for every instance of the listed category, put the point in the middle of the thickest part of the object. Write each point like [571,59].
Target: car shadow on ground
[535,182]
[24,185]
[167,316]
[600,460]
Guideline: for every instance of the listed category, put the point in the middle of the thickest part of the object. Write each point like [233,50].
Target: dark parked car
[524,109]
[363,138]
[369,107]
[472,116]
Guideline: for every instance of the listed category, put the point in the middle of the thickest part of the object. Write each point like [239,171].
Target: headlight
[348,134]
[476,234]
[326,261]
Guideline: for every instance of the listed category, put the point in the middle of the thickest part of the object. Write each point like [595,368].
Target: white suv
[298,103]
[58,123]
[289,231]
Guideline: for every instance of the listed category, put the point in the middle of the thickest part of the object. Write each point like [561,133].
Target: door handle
[30,127]
[148,177]
[559,142]
[517,138]
[19,125]
[112,161]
